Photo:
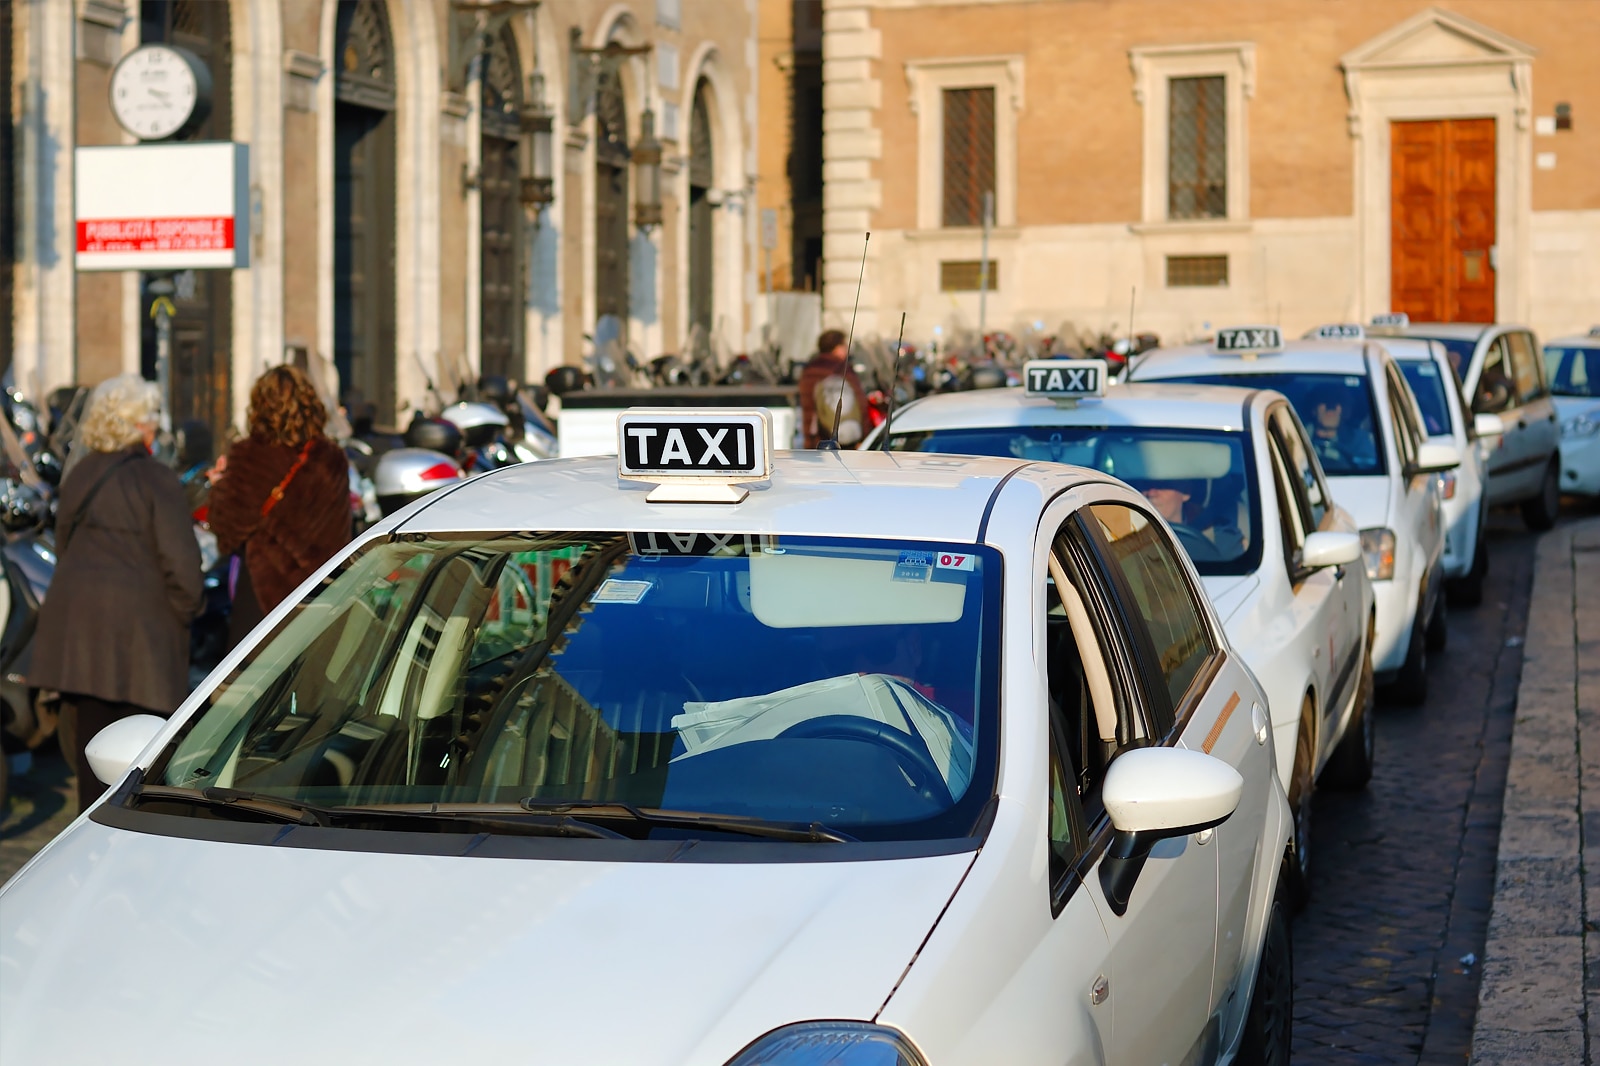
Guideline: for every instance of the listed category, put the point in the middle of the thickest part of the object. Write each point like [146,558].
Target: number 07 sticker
[954,561]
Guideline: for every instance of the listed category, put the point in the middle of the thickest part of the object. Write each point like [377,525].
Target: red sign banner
[155,234]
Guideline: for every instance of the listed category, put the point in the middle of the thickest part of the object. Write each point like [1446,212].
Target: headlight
[1581,426]
[830,1044]
[1447,485]
[1377,545]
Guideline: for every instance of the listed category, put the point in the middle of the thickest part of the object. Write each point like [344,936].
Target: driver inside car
[1170,499]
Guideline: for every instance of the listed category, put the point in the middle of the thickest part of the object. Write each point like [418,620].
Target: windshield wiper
[813,832]
[295,812]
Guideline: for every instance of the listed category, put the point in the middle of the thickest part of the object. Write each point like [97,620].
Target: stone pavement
[1541,968]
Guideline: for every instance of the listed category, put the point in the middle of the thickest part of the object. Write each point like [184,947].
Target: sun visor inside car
[793,591]
[1166,460]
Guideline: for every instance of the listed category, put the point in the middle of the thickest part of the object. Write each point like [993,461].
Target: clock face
[154,90]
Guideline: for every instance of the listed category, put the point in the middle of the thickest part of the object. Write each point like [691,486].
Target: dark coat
[301,532]
[115,624]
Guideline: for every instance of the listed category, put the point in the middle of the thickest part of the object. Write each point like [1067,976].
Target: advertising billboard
[182,206]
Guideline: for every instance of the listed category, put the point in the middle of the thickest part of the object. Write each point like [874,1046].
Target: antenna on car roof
[832,443]
[894,382]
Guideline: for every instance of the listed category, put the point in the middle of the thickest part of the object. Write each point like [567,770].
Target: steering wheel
[910,750]
[1195,543]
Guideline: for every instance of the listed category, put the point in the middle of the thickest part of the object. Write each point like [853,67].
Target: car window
[1337,410]
[792,679]
[1290,515]
[1145,563]
[1495,391]
[1407,431]
[1573,371]
[1311,489]
[1428,386]
[1526,367]
[1201,481]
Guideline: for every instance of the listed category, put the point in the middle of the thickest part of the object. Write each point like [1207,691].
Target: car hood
[1573,406]
[115,940]
[1366,498]
[1228,594]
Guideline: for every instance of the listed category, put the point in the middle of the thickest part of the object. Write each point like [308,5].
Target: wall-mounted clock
[159,91]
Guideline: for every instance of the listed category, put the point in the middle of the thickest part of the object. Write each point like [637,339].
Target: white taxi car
[1233,474]
[698,755]
[1463,492]
[1573,365]
[1368,434]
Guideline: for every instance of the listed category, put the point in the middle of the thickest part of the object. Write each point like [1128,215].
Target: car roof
[811,493]
[1409,349]
[1576,340]
[1303,356]
[1174,405]
[1463,331]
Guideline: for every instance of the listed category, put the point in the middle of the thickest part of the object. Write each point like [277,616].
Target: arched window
[202,327]
[611,197]
[500,212]
[702,248]
[363,205]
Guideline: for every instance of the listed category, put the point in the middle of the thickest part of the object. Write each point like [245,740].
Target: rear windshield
[1201,481]
[1573,371]
[1428,385]
[1337,410]
[797,681]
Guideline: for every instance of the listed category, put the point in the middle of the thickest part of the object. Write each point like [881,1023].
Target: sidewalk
[1534,1005]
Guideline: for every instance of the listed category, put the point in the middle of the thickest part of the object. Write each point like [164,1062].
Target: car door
[1536,415]
[1494,392]
[1421,521]
[1195,695]
[1327,599]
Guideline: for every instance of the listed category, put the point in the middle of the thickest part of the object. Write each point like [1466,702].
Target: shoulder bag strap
[94,490]
[277,493]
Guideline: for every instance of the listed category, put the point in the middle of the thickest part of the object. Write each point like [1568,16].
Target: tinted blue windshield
[1337,410]
[791,679]
[1574,371]
[1428,385]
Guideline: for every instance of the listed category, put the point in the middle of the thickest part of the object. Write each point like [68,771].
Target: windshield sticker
[956,561]
[1427,370]
[1352,381]
[615,590]
[914,566]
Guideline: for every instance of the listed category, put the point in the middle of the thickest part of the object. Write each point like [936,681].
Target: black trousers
[92,716]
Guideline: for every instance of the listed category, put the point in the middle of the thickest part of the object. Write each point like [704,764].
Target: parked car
[1573,367]
[908,758]
[1503,375]
[1369,436]
[1237,480]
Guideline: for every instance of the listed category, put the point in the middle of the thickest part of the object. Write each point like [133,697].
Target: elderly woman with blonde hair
[113,634]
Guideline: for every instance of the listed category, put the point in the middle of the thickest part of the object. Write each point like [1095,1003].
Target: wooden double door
[1442,219]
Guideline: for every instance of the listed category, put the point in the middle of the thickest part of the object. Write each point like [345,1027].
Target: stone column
[851,143]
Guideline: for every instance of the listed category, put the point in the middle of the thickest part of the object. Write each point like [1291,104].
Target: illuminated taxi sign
[1067,380]
[1392,319]
[1338,331]
[1249,340]
[694,456]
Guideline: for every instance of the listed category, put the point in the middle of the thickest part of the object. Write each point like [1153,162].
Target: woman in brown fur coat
[283,496]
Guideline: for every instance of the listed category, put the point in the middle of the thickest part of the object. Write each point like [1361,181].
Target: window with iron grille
[968,154]
[966,275]
[1197,148]
[1194,271]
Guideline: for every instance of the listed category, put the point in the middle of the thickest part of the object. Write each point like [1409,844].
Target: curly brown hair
[285,409]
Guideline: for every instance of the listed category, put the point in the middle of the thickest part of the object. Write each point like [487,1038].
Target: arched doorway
[363,204]
[611,198]
[702,247]
[202,327]
[500,209]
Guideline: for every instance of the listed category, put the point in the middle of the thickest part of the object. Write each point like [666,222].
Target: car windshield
[1574,370]
[1428,385]
[1337,410]
[798,680]
[1200,480]
[1459,349]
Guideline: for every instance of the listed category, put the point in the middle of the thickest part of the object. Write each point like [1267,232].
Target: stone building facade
[1215,161]
[391,245]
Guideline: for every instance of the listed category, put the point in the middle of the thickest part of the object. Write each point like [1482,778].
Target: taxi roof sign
[1338,331]
[1064,380]
[694,456]
[1395,319]
[1249,339]
[1594,331]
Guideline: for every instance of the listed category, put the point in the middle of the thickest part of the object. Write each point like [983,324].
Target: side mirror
[114,748]
[1153,794]
[1330,548]
[1488,425]
[1435,457]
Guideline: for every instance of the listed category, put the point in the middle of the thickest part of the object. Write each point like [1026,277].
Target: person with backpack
[113,634]
[833,406]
